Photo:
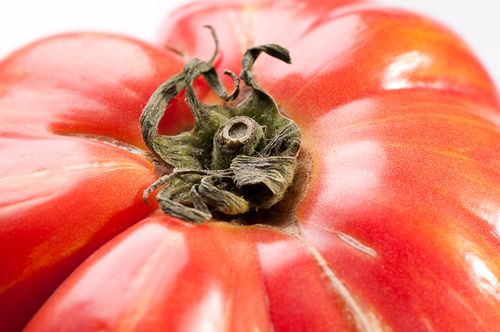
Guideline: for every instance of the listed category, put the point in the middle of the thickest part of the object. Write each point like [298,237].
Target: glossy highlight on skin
[397,230]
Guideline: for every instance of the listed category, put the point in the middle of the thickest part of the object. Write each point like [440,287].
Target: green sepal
[208,175]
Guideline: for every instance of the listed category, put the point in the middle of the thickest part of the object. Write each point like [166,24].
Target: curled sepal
[241,155]
[285,142]
[183,151]
[263,180]
[253,53]
[259,105]
[154,110]
[181,211]
[222,200]
[179,196]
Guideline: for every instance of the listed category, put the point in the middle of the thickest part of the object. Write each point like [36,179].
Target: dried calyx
[240,156]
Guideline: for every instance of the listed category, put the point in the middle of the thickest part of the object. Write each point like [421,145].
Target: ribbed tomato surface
[395,225]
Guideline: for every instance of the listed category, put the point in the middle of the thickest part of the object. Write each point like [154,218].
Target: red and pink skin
[398,227]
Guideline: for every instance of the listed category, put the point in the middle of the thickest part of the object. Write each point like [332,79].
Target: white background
[22,21]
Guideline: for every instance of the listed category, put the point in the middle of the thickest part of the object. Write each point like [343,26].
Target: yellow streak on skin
[38,256]
[418,117]
[446,153]
[132,315]
[245,33]
[366,320]
[101,166]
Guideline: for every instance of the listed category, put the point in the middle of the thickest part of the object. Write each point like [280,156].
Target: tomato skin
[63,195]
[372,49]
[398,228]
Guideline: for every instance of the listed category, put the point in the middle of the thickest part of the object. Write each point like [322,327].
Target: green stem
[237,158]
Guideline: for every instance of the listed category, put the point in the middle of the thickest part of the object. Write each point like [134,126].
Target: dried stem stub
[237,158]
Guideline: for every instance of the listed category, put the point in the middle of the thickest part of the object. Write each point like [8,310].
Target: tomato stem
[240,156]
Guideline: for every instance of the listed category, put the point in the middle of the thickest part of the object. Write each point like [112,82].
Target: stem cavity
[238,157]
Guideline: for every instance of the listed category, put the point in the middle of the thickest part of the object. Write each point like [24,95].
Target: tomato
[392,222]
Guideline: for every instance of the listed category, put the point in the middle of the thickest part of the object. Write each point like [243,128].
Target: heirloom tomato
[391,222]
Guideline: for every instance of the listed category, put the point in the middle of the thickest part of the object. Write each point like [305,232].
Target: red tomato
[396,228]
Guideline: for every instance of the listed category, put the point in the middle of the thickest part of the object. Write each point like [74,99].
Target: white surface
[22,21]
